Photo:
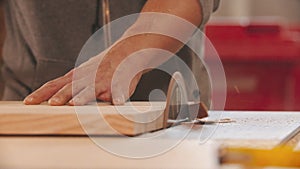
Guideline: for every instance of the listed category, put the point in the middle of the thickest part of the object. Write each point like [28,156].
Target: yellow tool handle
[280,157]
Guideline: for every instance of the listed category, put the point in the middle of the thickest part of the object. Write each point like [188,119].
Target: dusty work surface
[249,129]
[267,129]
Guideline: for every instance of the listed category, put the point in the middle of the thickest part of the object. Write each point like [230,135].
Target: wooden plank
[103,119]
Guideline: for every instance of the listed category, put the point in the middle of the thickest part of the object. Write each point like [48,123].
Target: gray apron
[44,38]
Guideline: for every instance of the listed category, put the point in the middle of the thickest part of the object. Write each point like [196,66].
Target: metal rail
[106,23]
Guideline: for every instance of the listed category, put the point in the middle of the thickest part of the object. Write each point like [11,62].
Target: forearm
[185,10]
[189,10]
[154,30]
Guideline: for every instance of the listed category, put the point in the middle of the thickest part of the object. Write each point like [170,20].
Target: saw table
[181,146]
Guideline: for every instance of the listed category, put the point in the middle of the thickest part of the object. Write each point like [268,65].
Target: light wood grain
[101,119]
[81,153]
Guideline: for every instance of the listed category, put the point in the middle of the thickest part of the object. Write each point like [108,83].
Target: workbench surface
[252,129]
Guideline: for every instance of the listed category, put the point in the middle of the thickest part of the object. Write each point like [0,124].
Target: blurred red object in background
[261,62]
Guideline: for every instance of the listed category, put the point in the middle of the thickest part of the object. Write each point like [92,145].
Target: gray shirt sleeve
[208,7]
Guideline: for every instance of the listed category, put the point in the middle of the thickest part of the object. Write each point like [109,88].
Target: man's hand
[92,80]
[111,82]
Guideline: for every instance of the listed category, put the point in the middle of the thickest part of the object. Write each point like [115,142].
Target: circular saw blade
[177,100]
